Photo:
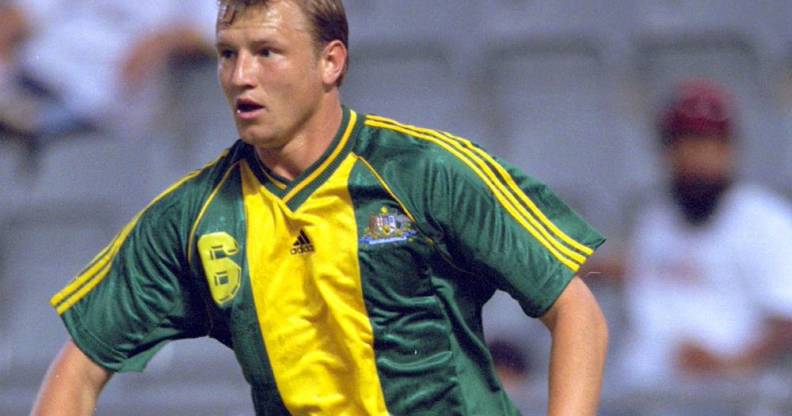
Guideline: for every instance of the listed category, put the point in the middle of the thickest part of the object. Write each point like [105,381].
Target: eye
[265,52]
[226,53]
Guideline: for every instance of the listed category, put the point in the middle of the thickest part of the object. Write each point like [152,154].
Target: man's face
[701,171]
[703,157]
[270,72]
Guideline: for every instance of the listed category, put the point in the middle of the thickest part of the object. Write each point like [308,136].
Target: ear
[334,59]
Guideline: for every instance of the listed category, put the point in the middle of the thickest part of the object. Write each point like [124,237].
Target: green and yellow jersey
[355,289]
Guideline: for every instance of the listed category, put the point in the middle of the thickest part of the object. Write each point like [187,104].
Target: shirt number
[223,274]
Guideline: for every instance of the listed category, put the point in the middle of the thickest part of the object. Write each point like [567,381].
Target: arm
[775,341]
[151,53]
[577,358]
[14,29]
[72,384]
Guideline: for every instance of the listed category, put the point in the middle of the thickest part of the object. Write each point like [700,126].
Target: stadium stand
[40,247]
[565,89]
[424,88]
[196,127]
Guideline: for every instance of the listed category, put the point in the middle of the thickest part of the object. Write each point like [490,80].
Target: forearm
[775,341]
[71,386]
[577,360]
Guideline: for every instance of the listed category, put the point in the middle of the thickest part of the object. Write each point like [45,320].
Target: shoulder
[185,196]
[756,198]
[385,142]
[754,204]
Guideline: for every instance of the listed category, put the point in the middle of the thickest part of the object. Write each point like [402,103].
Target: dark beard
[698,198]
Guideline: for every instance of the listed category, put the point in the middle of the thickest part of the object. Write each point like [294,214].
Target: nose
[244,70]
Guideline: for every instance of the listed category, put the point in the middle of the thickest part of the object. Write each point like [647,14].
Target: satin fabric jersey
[355,289]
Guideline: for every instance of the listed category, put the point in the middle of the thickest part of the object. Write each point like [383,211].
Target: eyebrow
[255,43]
[219,45]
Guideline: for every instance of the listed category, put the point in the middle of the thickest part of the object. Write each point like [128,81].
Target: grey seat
[93,167]
[408,21]
[15,171]
[548,19]
[196,126]
[43,247]
[552,105]
[422,86]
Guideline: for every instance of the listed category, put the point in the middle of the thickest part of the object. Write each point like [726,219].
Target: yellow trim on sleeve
[88,279]
[341,145]
[524,198]
[566,256]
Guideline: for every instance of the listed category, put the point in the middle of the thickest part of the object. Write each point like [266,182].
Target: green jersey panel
[486,216]
[454,225]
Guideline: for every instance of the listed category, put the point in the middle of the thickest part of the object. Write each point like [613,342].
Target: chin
[259,140]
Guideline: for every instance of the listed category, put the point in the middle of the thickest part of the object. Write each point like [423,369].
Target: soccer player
[344,257]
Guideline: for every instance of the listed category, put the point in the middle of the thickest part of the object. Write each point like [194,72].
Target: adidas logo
[302,245]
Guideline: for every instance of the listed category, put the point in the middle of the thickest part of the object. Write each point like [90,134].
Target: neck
[306,146]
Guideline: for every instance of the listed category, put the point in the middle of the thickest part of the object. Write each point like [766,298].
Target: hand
[14,29]
[693,358]
[150,54]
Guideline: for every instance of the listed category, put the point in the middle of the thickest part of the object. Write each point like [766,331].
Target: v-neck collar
[294,192]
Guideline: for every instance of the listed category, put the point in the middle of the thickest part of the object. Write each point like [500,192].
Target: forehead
[279,15]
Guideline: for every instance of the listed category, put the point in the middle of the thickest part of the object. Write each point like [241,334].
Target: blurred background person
[78,65]
[708,282]
[514,371]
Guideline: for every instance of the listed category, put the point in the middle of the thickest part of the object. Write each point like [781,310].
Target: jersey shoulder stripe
[98,269]
[204,207]
[566,250]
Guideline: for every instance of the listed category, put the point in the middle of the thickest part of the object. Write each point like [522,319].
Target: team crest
[387,227]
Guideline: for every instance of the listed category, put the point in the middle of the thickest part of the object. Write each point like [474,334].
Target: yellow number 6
[223,274]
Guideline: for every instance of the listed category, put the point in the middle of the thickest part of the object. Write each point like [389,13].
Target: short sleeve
[510,228]
[136,294]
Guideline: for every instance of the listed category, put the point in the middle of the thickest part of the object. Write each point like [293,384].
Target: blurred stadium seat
[551,104]
[92,167]
[785,83]
[546,18]
[423,87]
[706,16]
[41,248]
[407,21]
[195,126]
[15,171]
[406,63]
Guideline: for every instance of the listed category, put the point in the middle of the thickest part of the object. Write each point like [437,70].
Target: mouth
[247,109]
